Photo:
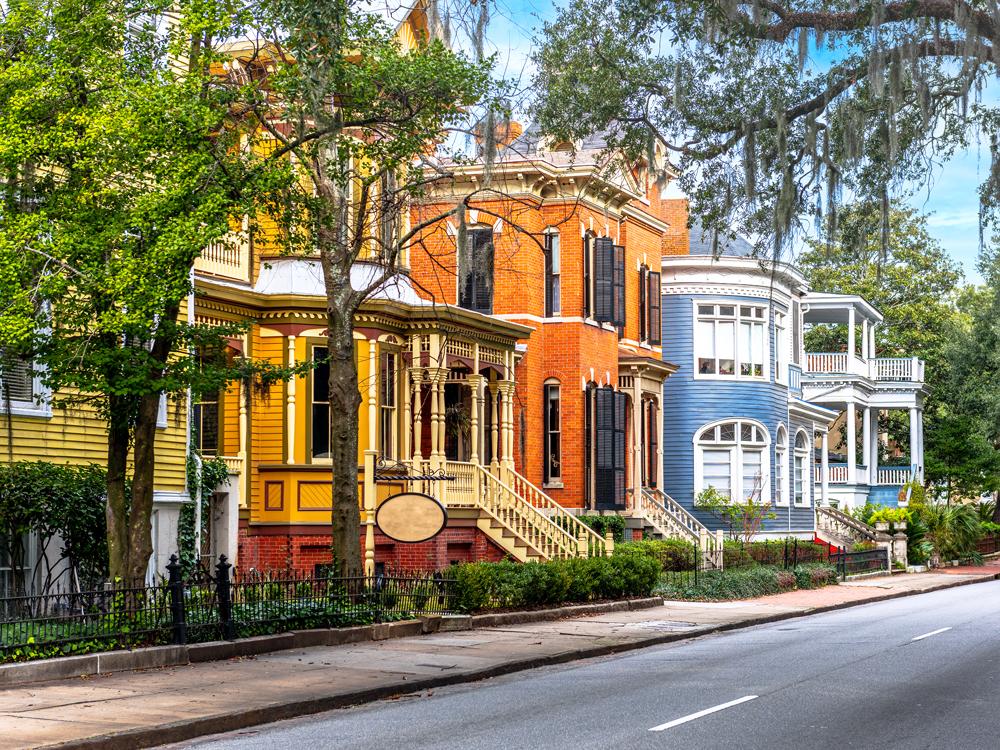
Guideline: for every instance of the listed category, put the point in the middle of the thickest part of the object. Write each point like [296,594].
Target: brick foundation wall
[302,552]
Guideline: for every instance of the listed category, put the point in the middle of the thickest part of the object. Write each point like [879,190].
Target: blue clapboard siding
[887,495]
[689,404]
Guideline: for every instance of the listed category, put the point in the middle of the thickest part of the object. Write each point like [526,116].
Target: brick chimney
[507,133]
[676,240]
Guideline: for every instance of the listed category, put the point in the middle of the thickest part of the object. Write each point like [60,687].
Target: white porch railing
[894,476]
[835,362]
[909,369]
[837,474]
[230,259]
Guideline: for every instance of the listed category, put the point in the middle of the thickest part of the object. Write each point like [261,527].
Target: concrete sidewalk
[153,707]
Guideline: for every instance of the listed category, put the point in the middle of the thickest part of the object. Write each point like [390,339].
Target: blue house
[750,412]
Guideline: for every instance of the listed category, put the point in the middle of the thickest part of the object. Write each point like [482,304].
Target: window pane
[716,471]
[727,310]
[779,476]
[708,436]
[757,349]
[800,440]
[321,376]
[758,312]
[321,431]
[705,343]
[799,469]
[727,346]
[554,246]
[746,364]
[555,295]
[746,433]
[745,312]
[706,309]
[209,427]
[727,432]
[388,381]
[752,475]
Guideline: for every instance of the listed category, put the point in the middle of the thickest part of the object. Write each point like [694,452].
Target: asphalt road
[862,677]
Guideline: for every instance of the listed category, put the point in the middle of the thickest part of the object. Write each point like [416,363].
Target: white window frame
[40,405]
[781,468]
[781,348]
[736,319]
[736,450]
[807,470]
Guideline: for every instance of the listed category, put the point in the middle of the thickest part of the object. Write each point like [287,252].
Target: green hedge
[486,585]
[749,582]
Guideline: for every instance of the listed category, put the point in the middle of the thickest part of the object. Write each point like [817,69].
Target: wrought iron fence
[988,544]
[864,561]
[204,607]
[783,553]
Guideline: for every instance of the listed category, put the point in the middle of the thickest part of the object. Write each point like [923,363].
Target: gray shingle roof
[701,244]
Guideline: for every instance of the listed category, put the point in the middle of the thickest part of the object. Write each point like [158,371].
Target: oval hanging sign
[411,517]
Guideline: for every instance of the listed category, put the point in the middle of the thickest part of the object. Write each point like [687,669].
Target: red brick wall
[302,552]
[573,352]
[675,213]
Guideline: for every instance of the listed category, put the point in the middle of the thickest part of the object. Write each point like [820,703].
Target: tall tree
[120,164]
[360,116]
[766,131]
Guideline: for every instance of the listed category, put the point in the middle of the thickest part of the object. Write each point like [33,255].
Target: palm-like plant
[952,529]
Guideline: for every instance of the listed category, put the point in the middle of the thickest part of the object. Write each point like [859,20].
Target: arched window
[802,464]
[781,467]
[475,270]
[553,430]
[731,456]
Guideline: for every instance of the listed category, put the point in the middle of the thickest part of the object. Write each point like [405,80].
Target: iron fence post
[786,553]
[176,585]
[224,592]
[795,552]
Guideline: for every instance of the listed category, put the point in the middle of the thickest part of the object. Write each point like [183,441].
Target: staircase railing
[666,514]
[842,525]
[588,542]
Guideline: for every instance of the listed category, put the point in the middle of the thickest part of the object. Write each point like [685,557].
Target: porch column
[824,459]
[475,381]
[871,343]
[373,375]
[659,438]
[851,447]
[434,457]
[290,411]
[442,422]
[850,338]
[638,424]
[417,417]
[370,458]
[915,438]
[507,388]
[864,340]
[873,480]
[495,426]
[866,441]
[242,455]
[920,442]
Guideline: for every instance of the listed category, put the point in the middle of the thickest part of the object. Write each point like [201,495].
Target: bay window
[729,340]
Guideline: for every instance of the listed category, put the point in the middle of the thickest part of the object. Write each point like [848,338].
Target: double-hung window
[553,429]
[729,340]
[801,468]
[780,347]
[16,379]
[781,468]
[649,306]
[552,272]
[205,418]
[387,405]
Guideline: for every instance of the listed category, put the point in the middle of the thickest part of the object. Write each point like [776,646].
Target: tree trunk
[140,527]
[117,505]
[345,400]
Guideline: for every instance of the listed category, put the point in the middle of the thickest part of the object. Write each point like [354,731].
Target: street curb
[163,734]
[153,657]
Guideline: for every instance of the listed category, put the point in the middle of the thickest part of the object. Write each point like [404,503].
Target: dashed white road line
[706,712]
[928,635]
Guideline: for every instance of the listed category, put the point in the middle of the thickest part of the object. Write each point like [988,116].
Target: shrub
[749,582]
[815,575]
[603,524]
[673,554]
[485,585]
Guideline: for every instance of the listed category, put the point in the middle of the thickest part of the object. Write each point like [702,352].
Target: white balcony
[230,259]
[895,370]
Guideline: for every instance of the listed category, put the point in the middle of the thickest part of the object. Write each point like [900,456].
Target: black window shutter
[653,295]
[604,484]
[652,443]
[643,312]
[621,420]
[619,289]
[604,273]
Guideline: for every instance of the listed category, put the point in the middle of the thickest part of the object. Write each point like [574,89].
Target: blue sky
[952,202]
